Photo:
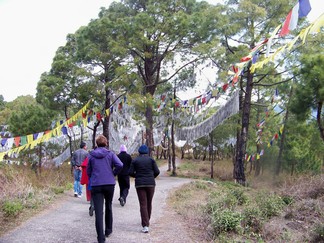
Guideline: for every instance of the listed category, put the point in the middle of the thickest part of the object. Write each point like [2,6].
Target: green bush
[12,208]
[201,185]
[318,234]
[69,186]
[58,190]
[238,193]
[230,201]
[225,220]
[287,200]
[252,220]
[270,205]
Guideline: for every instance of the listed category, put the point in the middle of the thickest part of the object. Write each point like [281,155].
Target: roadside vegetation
[285,209]
[23,193]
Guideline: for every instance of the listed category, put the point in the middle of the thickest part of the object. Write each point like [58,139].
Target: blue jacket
[103,166]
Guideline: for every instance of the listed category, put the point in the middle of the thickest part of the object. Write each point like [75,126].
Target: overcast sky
[32,31]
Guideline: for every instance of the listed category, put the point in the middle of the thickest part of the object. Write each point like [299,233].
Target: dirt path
[69,221]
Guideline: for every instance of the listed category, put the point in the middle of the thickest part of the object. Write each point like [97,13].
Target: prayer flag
[301,9]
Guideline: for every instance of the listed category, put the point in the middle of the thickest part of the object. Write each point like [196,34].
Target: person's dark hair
[82,144]
[101,141]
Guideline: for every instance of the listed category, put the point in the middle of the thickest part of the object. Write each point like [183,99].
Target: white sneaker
[145,229]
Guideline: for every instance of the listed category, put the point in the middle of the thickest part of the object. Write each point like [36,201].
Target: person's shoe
[75,194]
[121,201]
[145,229]
[107,233]
[79,196]
[91,209]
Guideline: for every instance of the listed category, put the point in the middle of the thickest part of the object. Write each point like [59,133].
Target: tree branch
[269,85]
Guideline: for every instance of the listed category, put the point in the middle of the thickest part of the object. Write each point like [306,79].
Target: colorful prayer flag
[301,9]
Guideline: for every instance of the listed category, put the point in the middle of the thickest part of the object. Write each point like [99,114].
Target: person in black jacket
[123,176]
[145,170]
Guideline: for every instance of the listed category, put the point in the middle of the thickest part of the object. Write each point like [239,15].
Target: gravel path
[68,221]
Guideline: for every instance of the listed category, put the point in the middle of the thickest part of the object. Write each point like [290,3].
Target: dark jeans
[99,194]
[145,196]
[123,181]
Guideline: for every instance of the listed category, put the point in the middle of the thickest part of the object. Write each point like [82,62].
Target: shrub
[225,220]
[287,200]
[252,220]
[269,205]
[318,235]
[12,208]
[238,193]
[58,190]
[201,185]
[69,186]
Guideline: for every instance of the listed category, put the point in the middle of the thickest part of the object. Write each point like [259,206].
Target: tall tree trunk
[105,124]
[182,152]
[149,128]
[172,135]
[212,156]
[257,164]
[238,131]
[283,136]
[318,118]
[40,158]
[94,133]
[169,155]
[239,174]
[173,150]
[70,139]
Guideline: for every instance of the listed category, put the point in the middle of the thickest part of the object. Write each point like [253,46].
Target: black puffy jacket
[145,170]
[126,159]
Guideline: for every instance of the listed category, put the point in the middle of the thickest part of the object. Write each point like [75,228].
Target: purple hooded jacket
[102,167]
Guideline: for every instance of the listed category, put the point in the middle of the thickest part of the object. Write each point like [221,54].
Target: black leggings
[100,194]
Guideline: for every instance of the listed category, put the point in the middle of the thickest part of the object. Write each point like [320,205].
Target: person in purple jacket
[103,166]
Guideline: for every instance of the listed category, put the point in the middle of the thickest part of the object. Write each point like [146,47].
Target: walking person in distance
[85,180]
[145,170]
[103,166]
[123,176]
[77,158]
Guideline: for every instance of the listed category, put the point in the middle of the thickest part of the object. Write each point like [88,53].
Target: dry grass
[298,221]
[24,193]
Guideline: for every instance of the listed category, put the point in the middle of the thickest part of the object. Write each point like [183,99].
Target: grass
[23,193]
[282,209]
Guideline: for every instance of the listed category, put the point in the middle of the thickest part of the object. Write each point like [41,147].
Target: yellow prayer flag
[85,122]
[107,111]
[290,44]
[30,138]
[214,92]
[316,27]
[33,144]
[281,129]
[1,156]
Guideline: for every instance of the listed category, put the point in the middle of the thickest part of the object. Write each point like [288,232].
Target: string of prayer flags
[301,9]
[31,140]
[270,143]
